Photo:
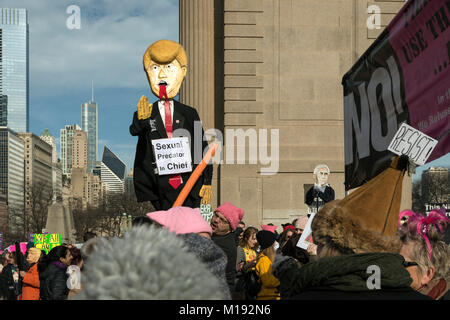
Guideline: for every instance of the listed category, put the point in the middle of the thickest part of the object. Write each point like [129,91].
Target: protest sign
[207,213]
[47,242]
[413,143]
[436,206]
[173,155]
[401,78]
[302,242]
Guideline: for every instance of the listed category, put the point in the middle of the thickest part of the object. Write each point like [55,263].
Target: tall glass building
[14,68]
[89,123]
[112,171]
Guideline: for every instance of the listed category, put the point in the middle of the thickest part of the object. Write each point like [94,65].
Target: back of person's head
[76,256]
[292,250]
[143,220]
[89,247]
[88,235]
[161,268]
[54,255]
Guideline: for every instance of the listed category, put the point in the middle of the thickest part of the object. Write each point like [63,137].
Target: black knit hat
[265,239]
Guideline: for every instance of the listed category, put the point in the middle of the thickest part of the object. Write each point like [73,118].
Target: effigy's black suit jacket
[150,186]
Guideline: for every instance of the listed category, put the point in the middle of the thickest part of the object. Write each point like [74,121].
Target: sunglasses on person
[407,264]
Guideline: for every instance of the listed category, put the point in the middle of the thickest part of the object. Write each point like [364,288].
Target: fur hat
[232,214]
[265,238]
[181,220]
[148,263]
[366,220]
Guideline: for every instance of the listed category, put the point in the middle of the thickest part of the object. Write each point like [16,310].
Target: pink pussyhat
[269,228]
[181,220]
[232,213]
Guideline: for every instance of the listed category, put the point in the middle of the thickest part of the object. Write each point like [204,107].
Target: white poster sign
[173,155]
[413,143]
[302,243]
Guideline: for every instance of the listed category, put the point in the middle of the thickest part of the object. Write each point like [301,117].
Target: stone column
[197,38]
[199,89]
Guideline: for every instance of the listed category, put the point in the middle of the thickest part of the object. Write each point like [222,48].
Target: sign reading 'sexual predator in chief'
[173,155]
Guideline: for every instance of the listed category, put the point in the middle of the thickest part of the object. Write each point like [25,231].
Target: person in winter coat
[225,219]
[269,283]
[30,282]
[147,263]
[427,256]
[246,251]
[358,249]
[189,225]
[245,260]
[9,278]
[52,274]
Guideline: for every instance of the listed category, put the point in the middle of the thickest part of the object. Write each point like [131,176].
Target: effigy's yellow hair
[163,52]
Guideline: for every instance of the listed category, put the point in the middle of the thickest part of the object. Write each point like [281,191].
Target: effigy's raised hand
[206,194]
[144,109]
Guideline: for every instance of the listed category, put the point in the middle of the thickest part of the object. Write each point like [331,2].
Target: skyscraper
[56,165]
[89,123]
[47,137]
[38,168]
[112,171]
[14,68]
[80,150]
[12,174]
[66,140]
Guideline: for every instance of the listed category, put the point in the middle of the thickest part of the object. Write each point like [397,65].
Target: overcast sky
[108,49]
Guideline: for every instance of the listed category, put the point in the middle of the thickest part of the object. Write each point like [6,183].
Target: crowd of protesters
[177,254]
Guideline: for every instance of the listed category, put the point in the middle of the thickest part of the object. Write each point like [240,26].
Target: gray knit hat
[146,264]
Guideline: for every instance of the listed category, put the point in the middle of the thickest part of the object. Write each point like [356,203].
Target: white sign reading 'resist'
[173,155]
[413,143]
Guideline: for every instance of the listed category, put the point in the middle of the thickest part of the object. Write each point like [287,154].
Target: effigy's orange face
[170,75]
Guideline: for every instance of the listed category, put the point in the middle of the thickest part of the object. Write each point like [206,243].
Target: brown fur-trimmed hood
[333,225]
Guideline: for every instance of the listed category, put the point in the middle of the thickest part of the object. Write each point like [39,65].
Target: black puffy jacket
[54,282]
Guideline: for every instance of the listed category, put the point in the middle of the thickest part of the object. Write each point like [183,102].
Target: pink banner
[420,37]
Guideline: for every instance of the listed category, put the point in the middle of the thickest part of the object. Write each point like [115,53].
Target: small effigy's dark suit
[150,186]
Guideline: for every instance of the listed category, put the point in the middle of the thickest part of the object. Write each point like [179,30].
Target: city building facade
[435,185]
[80,149]
[12,175]
[129,184]
[47,137]
[66,140]
[14,72]
[38,167]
